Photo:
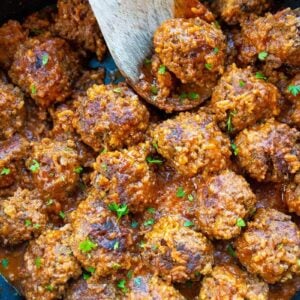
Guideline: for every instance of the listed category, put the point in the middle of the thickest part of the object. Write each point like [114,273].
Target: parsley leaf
[162,70]
[154,90]
[62,214]
[38,262]
[242,83]
[49,288]
[234,149]
[28,223]
[121,210]
[5,171]
[149,222]
[152,160]
[188,224]
[180,193]
[240,223]
[4,263]
[78,170]
[208,66]
[294,89]
[137,281]
[230,250]
[151,210]
[87,246]
[33,89]
[262,55]
[216,50]
[45,58]
[134,224]
[116,245]
[34,166]
[117,90]
[148,62]
[229,126]
[260,75]
[122,285]
[190,197]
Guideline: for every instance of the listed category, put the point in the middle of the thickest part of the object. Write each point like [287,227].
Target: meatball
[292,195]
[192,143]
[223,201]
[236,11]
[149,287]
[270,246]
[176,252]
[277,35]
[76,22]
[192,49]
[11,37]
[126,177]
[13,152]
[22,217]
[269,151]
[102,289]
[230,282]
[12,110]
[292,92]
[53,166]
[240,100]
[100,239]
[111,117]
[45,68]
[49,264]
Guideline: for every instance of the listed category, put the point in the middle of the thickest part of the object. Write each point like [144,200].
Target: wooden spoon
[128,27]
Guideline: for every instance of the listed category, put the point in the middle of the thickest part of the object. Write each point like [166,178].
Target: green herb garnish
[240,223]
[188,224]
[262,55]
[152,160]
[234,149]
[294,89]
[87,246]
[120,209]
[180,193]
[162,70]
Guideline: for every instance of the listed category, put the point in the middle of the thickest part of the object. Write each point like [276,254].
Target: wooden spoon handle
[128,27]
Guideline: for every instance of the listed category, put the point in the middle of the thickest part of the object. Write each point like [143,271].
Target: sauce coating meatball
[45,68]
[192,143]
[12,110]
[100,240]
[126,177]
[110,117]
[236,11]
[149,287]
[270,246]
[277,35]
[22,217]
[76,22]
[176,252]
[49,264]
[269,151]
[230,282]
[52,165]
[11,37]
[240,100]
[223,201]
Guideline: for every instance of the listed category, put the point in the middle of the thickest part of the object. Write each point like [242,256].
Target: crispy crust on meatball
[76,22]
[126,177]
[49,264]
[221,201]
[269,151]
[244,99]
[230,282]
[52,165]
[192,143]
[22,217]
[176,252]
[110,239]
[110,117]
[270,246]
[292,195]
[11,37]
[45,68]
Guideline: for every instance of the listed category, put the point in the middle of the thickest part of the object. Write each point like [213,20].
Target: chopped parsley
[152,160]
[240,223]
[229,126]
[87,246]
[260,75]
[134,224]
[154,89]
[27,223]
[33,89]
[86,276]
[129,274]
[120,209]
[104,166]
[208,66]
[5,263]
[36,226]
[190,96]
[45,58]
[116,245]
[5,171]
[188,224]
[118,90]
[149,222]
[294,89]
[62,214]
[162,70]
[91,269]
[230,250]
[49,288]
[151,210]
[262,55]
[137,281]
[180,193]
[49,202]
[147,62]
[190,197]
[122,285]
[155,145]
[242,83]
[38,262]
[234,149]
[216,50]
[35,166]
[142,244]
[78,170]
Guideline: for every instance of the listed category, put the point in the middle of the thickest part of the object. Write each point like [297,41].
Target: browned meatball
[101,289]
[126,177]
[269,151]
[22,217]
[110,117]
[223,202]
[192,143]
[240,100]
[270,246]
[101,240]
[13,153]
[176,252]
[149,287]
[76,22]
[292,91]
[277,35]
[12,110]
[193,50]
[292,195]
[45,68]
[11,37]
[235,11]
[88,79]
[49,264]
[53,166]
[230,282]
